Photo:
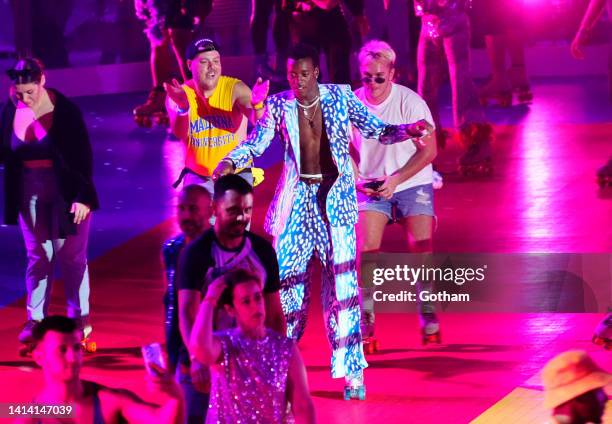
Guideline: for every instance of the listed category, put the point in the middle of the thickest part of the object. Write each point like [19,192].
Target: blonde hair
[377,50]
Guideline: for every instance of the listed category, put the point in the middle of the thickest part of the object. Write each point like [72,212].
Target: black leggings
[259,26]
[329,32]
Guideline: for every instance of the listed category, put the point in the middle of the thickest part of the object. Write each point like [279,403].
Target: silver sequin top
[249,384]
[442,18]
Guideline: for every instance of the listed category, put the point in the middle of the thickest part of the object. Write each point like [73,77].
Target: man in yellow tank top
[210,112]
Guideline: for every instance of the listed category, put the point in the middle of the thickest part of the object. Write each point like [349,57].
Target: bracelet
[181,112]
[258,106]
[177,108]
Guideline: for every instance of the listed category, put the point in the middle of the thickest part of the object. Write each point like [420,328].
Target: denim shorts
[410,202]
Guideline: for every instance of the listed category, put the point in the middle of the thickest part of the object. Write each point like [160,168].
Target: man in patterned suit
[315,207]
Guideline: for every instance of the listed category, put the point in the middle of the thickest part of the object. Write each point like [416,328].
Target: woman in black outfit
[48,189]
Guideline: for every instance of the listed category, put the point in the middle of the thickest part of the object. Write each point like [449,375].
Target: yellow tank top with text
[215,127]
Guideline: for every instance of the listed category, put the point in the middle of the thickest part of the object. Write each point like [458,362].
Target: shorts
[412,201]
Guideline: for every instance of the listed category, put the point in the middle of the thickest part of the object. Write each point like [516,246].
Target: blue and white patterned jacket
[340,108]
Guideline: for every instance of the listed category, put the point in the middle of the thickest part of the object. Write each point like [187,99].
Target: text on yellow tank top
[215,127]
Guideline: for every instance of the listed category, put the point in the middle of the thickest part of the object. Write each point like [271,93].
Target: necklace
[305,108]
[314,102]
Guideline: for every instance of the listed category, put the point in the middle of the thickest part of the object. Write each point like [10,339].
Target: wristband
[180,111]
[258,106]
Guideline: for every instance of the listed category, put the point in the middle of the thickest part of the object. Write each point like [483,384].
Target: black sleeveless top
[31,150]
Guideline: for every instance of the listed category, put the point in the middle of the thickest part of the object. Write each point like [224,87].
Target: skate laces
[355,380]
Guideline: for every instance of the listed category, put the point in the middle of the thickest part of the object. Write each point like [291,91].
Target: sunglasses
[377,80]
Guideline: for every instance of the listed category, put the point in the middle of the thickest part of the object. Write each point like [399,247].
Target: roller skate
[87,344]
[604,175]
[25,338]
[370,343]
[153,111]
[520,84]
[497,89]
[477,159]
[354,387]
[430,328]
[603,333]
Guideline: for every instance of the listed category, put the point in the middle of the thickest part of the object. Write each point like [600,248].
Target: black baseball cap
[200,45]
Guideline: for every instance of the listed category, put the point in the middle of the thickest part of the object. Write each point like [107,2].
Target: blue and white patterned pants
[306,235]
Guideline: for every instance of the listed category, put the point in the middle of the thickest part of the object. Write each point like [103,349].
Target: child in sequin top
[255,371]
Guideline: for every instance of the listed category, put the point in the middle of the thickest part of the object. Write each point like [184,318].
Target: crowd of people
[235,303]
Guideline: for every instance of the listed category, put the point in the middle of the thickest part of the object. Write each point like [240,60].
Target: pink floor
[542,198]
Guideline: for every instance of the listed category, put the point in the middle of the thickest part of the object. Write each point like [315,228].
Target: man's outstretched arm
[255,145]
[370,126]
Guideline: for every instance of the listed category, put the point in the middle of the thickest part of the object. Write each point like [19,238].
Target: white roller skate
[354,387]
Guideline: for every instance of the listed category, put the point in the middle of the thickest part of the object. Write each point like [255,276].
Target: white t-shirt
[403,106]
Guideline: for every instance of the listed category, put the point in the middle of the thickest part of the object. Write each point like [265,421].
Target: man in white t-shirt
[395,181]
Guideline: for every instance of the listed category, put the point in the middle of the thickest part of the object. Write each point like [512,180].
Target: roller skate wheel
[89,346]
[347,393]
[431,338]
[376,345]
[361,393]
[161,119]
[143,121]
[368,348]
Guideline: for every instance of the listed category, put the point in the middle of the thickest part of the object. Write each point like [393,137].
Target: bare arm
[255,145]
[275,319]
[203,344]
[249,101]
[135,410]
[177,99]
[425,154]
[590,18]
[189,302]
[297,390]
[592,15]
